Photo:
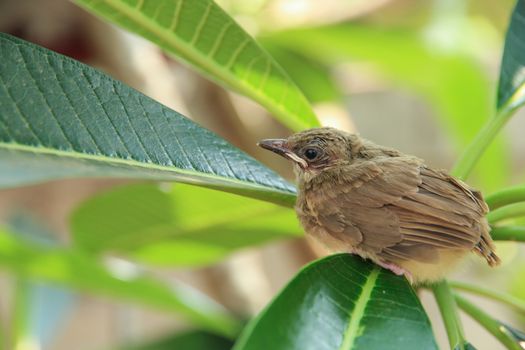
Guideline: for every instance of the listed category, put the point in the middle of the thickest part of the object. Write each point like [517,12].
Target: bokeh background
[419,76]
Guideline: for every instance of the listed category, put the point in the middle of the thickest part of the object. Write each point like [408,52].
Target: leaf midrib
[352,332]
[201,59]
[234,183]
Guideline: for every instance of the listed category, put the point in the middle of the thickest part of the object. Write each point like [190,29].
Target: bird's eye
[310,153]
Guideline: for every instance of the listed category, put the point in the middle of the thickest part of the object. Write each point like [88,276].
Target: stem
[506,196]
[508,233]
[462,169]
[475,150]
[495,295]
[507,212]
[490,324]
[450,315]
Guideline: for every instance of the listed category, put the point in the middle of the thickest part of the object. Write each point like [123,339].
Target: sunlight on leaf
[202,34]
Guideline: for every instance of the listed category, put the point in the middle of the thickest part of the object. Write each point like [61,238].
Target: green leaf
[455,85]
[312,77]
[511,89]
[73,269]
[60,119]
[341,302]
[184,226]
[203,35]
[192,340]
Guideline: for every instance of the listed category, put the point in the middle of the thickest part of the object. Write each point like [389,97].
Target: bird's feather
[396,208]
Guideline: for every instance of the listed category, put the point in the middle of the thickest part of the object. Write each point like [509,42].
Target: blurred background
[419,76]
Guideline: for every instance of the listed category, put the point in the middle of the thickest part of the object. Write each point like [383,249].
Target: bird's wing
[400,209]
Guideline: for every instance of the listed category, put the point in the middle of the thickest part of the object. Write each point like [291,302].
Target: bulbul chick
[361,198]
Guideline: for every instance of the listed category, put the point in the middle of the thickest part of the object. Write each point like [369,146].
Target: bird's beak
[280,147]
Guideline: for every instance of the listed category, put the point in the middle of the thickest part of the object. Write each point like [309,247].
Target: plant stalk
[449,312]
[507,212]
[491,294]
[462,169]
[505,197]
[491,325]
[508,233]
[483,139]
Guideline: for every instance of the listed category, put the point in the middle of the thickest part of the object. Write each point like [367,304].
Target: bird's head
[315,150]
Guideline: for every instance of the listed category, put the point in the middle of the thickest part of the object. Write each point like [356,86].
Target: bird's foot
[398,270]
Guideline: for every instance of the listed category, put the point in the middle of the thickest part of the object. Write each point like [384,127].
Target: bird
[391,208]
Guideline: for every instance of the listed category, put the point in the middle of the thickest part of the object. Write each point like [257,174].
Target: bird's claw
[398,270]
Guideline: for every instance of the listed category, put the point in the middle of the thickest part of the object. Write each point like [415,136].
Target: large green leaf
[455,85]
[341,302]
[511,90]
[184,225]
[202,34]
[76,270]
[60,118]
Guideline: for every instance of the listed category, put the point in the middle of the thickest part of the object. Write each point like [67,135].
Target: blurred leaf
[193,340]
[60,118]
[45,309]
[312,77]
[39,308]
[511,89]
[76,270]
[203,35]
[182,226]
[455,85]
[341,302]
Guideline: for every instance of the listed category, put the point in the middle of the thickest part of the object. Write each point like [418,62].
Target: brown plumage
[358,197]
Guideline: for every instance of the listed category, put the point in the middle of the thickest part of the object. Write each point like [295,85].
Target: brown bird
[357,197]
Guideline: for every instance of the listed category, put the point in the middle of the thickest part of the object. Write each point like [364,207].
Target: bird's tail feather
[485,247]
